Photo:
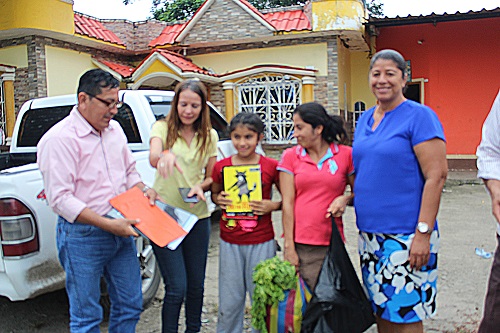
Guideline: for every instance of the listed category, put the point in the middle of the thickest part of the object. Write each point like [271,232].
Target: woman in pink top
[313,178]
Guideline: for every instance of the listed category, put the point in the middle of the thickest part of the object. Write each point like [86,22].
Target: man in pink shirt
[85,161]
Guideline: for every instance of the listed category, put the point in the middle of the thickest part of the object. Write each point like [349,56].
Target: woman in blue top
[399,156]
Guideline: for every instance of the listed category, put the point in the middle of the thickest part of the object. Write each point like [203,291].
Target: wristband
[163,153]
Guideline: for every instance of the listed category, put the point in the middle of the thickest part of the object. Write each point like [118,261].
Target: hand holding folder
[155,224]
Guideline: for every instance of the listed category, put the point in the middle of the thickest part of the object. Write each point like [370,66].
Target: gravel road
[465,223]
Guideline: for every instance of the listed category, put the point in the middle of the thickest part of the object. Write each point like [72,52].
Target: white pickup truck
[29,265]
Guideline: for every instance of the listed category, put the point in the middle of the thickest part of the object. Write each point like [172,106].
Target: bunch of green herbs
[271,277]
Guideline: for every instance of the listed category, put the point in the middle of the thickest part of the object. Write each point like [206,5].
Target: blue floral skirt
[398,293]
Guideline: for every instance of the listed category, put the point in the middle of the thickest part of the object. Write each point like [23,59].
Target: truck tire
[150,273]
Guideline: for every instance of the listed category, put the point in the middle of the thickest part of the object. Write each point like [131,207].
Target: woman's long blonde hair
[202,125]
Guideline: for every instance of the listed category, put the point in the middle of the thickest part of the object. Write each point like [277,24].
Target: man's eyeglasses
[110,105]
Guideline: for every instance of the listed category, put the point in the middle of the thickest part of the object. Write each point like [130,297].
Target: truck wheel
[150,273]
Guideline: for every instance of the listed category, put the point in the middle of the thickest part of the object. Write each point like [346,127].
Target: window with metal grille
[359,108]
[274,98]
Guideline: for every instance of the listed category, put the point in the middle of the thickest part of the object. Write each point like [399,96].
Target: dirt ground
[465,223]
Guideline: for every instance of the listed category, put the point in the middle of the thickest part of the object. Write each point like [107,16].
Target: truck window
[125,117]
[160,105]
[160,109]
[219,124]
[36,122]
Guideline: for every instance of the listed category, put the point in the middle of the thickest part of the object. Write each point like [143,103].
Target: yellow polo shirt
[192,165]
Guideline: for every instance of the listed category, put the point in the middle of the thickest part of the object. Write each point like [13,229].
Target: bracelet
[145,189]
[163,153]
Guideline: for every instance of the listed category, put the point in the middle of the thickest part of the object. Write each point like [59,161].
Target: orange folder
[155,224]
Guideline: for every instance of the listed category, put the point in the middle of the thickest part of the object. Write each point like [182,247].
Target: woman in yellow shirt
[183,149]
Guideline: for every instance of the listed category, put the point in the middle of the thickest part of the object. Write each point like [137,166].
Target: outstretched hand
[166,164]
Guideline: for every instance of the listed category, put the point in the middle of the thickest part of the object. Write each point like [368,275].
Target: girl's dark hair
[392,55]
[315,114]
[202,125]
[251,120]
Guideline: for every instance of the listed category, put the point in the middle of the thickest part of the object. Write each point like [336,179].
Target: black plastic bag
[339,303]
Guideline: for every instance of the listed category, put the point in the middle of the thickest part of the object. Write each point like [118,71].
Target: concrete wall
[360,91]
[225,20]
[64,67]
[294,55]
[460,60]
[51,15]
[16,56]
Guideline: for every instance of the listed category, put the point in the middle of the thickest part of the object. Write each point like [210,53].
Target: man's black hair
[92,82]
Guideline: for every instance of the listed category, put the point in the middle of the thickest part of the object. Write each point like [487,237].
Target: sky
[140,10]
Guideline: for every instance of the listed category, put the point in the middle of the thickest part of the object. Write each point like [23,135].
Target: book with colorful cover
[243,184]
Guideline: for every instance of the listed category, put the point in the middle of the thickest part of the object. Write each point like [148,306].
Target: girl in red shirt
[244,242]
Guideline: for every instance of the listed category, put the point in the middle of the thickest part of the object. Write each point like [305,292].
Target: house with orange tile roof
[265,62]
[454,65]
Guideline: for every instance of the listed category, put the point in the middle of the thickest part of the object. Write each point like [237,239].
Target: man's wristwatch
[423,228]
[145,189]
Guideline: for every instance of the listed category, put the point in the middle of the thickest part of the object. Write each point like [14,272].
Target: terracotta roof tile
[123,70]
[433,18]
[184,64]
[293,20]
[252,8]
[168,35]
[91,27]
[284,20]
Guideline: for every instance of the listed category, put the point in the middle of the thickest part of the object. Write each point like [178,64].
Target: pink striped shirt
[84,168]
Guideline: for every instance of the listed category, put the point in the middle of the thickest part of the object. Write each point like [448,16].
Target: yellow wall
[14,56]
[156,67]
[53,15]
[64,68]
[297,56]
[337,14]
[344,69]
[360,89]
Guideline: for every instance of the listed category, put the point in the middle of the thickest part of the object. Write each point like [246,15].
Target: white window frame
[274,97]
[358,111]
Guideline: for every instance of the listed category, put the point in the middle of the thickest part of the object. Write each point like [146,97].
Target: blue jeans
[183,272]
[87,253]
